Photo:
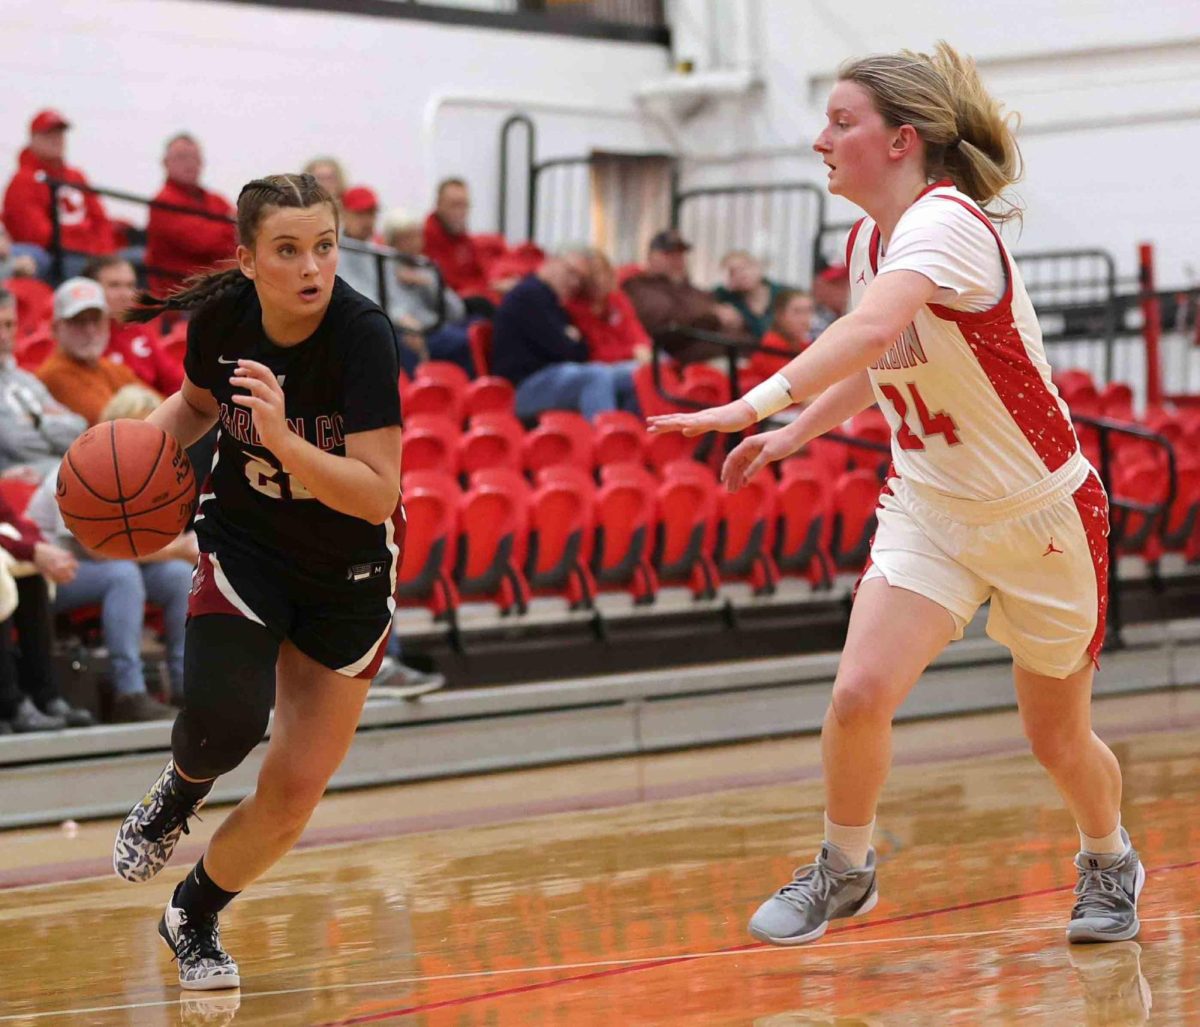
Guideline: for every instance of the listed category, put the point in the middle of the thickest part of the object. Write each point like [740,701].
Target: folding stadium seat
[746,534]
[620,438]
[1072,380]
[488,395]
[803,526]
[833,456]
[1116,402]
[491,440]
[687,528]
[626,516]
[855,496]
[31,351]
[665,449]
[1181,532]
[493,518]
[437,388]
[705,385]
[870,426]
[1144,483]
[562,535]
[561,437]
[431,501]
[650,400]
[431,443]
[479,338]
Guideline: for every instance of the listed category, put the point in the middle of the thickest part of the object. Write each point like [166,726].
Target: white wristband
[770,396]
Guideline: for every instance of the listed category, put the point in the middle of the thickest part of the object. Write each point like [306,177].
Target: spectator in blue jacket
[538,349]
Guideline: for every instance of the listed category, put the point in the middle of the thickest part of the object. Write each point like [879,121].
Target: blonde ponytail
[967,137]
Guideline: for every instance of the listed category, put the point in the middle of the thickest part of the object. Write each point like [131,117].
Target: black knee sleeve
[228,690]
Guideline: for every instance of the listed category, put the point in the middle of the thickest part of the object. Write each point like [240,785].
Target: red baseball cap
[47,121]
[835,273]
[360,200]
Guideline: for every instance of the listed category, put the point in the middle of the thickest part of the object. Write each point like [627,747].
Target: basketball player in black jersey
[300,531]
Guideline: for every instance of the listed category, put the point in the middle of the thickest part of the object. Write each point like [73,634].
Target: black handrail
[530,149]
[1153,511]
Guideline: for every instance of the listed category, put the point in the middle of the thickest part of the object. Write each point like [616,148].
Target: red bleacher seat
[493,518]
[431,501]
[855,497]
[438,387]
[802,536]
[620,438]
[705,385]
[870,426]
[561,437]
[833,456]
[488,395]
[491,440]
[1116,402]
[626,516]
[668,447]
[561,535]
[479,338]
[1181,533]
[1144,482]
[431,443]
[687,527]
[746,534]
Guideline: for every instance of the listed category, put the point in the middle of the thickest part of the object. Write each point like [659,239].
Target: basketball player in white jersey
[989,496]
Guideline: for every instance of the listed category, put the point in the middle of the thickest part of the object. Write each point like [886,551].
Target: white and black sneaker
[147,837]
[203,964]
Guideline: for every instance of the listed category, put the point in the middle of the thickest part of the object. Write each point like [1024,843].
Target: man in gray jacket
[35,429]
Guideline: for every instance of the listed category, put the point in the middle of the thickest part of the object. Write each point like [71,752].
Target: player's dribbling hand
[753,454]
[735,416]
[265,402]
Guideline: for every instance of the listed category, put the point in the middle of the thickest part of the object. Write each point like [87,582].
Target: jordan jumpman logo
[1052,548]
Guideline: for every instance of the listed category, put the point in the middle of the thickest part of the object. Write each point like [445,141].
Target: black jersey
[341,379]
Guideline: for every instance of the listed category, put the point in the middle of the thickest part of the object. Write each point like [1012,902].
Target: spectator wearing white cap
[76,373]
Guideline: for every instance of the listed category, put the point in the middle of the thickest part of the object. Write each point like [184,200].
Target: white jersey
[966,387]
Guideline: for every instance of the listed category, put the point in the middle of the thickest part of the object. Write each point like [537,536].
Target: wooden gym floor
[616,893]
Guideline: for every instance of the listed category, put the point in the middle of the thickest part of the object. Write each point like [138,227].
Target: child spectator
[35,429]
[76,373]
[83,224]
[178,244]
[138,346]
[791,330]
[747,291]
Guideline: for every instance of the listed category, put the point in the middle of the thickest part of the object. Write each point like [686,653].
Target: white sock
[853,841]
[1108,845]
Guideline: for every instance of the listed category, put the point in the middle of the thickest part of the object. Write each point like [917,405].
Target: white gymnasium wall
[1109,91]
[401,102]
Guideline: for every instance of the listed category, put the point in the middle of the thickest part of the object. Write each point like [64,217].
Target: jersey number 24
[940,423]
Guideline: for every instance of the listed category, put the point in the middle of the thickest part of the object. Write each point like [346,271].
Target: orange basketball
[126,488]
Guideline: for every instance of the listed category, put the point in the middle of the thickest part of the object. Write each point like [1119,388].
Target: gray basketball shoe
[149,833]
[822,891]
[1106,896]
[203,964]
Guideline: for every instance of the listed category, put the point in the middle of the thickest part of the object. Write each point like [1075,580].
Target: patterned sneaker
[147,838]
[203,964]
[822,891]
[1115,991]
[1107,895]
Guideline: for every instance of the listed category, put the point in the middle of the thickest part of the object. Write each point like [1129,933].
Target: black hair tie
[953,144]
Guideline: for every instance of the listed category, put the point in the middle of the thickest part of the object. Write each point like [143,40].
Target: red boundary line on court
[651,964]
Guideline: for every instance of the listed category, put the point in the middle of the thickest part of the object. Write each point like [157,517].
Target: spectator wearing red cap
[138,346]
[831,293]
[83,224]
[358,265]
[179,244]
[448,244]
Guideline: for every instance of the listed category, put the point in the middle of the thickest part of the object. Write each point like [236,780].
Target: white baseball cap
[76,295]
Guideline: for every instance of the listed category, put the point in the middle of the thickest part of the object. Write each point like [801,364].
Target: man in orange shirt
[76,374]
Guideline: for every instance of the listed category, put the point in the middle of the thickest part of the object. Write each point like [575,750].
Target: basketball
[126,488]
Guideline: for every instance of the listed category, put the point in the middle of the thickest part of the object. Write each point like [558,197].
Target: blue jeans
[589,388]
[122,588]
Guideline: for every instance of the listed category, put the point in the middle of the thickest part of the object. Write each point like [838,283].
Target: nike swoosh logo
[222,360]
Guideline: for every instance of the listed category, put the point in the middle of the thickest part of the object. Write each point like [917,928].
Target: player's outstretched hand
[753,454]
[265,401]
[735,416]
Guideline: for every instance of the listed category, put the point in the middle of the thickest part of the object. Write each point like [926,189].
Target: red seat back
[804,524]
[561,437]
[479,338]
[855,497]
[746,533]
[561,530]
[666,448]
[1116,401]
[687,526]
[431,443]
[620,438]
[626,516]
[705,385]
[491,440]
[431,500]
[488,395]
[493,525]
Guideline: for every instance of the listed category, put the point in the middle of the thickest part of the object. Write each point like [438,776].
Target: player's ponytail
[967,137]
[255,201]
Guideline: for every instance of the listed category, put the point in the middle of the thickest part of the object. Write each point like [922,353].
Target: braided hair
[257,198]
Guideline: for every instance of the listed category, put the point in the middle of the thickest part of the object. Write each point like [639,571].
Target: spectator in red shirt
[605,315]
[177,244]
[138,346]
[84,225]
[448,244]
[791,330]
